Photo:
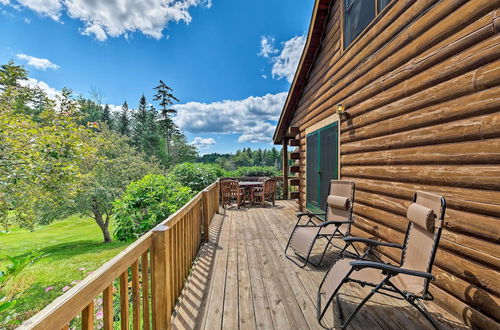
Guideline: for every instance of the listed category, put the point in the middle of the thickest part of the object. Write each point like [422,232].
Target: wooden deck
[242,280]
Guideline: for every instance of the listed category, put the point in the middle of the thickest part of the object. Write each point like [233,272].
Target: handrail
[162,257]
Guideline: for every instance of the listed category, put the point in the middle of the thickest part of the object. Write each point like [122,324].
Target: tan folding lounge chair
[336,223]
[410,279]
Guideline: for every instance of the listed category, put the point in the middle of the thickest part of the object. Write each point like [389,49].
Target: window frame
[378,15]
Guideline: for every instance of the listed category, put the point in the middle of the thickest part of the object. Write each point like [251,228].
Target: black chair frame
[389,271]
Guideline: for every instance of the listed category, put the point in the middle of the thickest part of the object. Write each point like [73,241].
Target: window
[357,15]
[322,165]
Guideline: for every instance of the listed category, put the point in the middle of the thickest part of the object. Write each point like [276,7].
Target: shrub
[196,176]
[146,203]
[256,171]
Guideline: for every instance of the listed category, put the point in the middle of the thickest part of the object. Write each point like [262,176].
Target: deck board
[242,280]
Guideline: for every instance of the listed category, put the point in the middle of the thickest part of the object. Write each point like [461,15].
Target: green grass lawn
[73,247]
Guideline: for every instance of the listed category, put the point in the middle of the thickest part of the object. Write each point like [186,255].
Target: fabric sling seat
[410,279]
[336,223]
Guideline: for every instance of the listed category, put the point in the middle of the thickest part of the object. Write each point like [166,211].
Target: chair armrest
[371,242]
[309,214]
[327,223]
[389,269]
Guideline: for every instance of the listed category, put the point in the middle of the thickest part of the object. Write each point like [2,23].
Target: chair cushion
[303,238]
[421,216]
[338,202]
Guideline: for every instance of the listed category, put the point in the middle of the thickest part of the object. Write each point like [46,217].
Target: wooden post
[88,317]
[205,210]
[217,197]
[160,286]
[285,169]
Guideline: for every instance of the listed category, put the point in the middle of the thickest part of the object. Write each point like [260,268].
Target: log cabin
[395,95]
[401,96]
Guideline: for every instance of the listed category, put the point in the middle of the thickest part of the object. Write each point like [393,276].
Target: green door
[321,165]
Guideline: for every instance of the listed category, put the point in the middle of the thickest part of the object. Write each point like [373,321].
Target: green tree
[123,120]
[39,155]
[166,99]
[106,116]
[146,203]
[106,176]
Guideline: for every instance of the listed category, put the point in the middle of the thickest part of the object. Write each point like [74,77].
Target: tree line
[244,158]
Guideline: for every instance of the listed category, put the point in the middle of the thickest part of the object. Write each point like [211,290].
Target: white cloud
[267,46]
[49,8]
[285,63]
[4,2]
[253,118]
[202,143]
[113,18]
[52,93]
[38,63]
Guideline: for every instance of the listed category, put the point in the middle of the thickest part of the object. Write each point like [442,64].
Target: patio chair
[266,192]
[410,279]
[335,224]
[231,189]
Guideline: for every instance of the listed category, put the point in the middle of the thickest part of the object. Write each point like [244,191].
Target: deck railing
[153,268]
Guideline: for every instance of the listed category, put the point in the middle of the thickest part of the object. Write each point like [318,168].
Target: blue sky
[229,62]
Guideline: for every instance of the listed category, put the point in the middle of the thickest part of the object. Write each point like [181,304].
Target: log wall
[422,90]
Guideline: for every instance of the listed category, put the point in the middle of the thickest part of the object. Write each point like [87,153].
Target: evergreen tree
[106,116]
[124,120]
[166,99]
[140,131]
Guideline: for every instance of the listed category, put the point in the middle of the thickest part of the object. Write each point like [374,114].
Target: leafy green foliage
[106,176]
[255,171]
[244,158]
[196,176]
[146,203]
[16,266]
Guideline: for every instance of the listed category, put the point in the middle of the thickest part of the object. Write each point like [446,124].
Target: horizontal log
[477,274]
[293,142]
[437,23]
[373,41]
[477,176]
[467,223]
[478,201]
[458,290]
[469,105]
[295,155]
[292,131]
[294,195]
[461,153]
[294,182]
[481,251]
[457,131]
[294,169]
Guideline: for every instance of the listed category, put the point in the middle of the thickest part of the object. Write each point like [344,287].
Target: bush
[196,176]
[146,203]
[256,171]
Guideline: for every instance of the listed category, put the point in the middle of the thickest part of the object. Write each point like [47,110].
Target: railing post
[161,273]
[217,196]
[205,210]
[285,169]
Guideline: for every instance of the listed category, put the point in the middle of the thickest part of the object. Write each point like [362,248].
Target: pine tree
[140,131]
[124,120]
[106,116]
[165,99]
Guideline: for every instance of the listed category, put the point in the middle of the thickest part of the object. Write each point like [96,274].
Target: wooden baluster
[107,306]
[177,263]
[124,308]
[136,296]
[88,317]
[145,291]
[172,266]
[206,221]
[217,194]
[161,306]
